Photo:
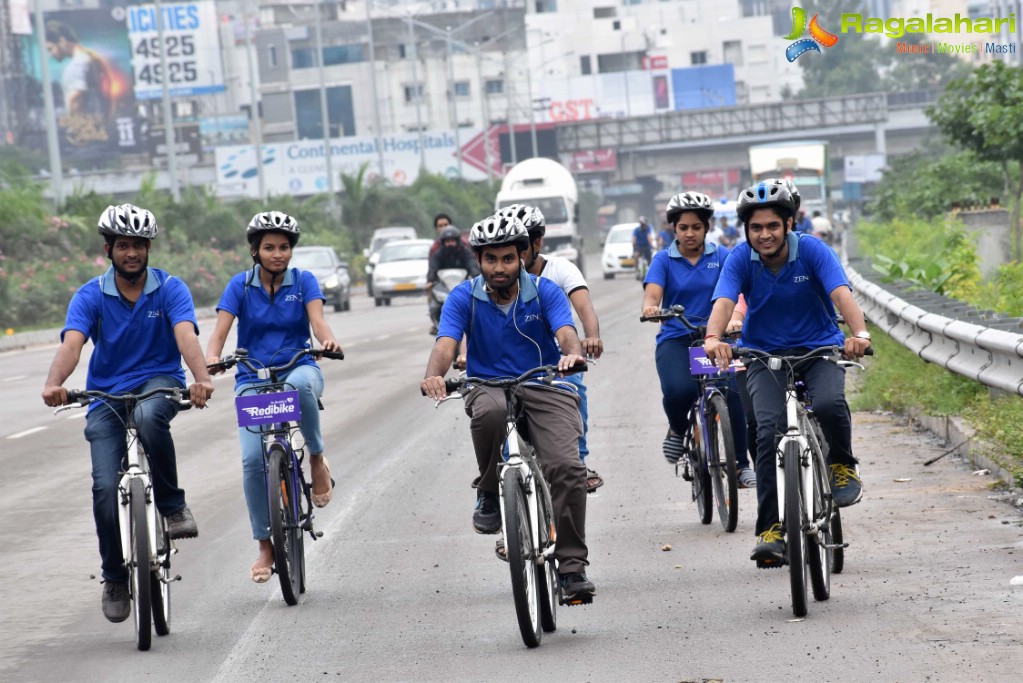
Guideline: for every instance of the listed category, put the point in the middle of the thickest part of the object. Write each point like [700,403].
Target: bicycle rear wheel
[794,516]
[819,555]
[138,564]
[721,452]
[518,537]
[700,459]
[283,524]
[160,580]
[838,558]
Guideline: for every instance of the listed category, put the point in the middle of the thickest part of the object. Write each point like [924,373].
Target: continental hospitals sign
[898,27]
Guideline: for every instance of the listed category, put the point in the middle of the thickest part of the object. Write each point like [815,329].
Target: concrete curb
[24,340]
[955,431]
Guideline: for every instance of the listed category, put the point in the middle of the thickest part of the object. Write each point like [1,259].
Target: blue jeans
[679,391]
[308,380]
[105,432]
[577,380]
[826,384]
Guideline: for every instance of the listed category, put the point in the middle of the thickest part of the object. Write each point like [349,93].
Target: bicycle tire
[518,540]
[549,583]
[795,541]
[838,557]
[281,521]
[159,580]
[723,471]
[702,495]
[138,564]
[819,555]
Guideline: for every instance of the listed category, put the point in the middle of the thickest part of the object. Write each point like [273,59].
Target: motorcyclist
[452,254]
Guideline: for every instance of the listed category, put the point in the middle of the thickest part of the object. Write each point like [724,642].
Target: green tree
[984,114]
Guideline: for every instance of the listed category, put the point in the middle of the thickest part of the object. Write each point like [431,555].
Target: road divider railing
[982,345]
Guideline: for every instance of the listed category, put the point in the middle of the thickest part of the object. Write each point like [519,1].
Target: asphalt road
[402,589]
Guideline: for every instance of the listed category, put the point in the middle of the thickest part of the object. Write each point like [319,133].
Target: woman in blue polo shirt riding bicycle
[686,273]
[275,307]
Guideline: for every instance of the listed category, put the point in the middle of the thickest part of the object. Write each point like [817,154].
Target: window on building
[413,93]
[494,86]
[585,68]
[604,12]
[303,58]
[343,54]
[271,52]
[462,89]
[757,54]
[696,58]
[340,113]
[401,51]
[546,6]
[619,61]
[731,52]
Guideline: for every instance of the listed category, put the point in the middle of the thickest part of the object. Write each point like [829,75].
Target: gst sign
[571,110]
[699,364]
[192,37]
[260,409]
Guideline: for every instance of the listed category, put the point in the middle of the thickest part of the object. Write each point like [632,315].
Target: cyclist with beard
[275,307]
[451,254]
[514,321]
[793,284]
[142,323]
[566,275]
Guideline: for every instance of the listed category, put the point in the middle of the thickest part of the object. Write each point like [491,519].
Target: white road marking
[26,432]
[16,377]
[382,337]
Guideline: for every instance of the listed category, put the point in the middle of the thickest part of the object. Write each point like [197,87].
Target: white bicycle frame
[138,468]
[515,460]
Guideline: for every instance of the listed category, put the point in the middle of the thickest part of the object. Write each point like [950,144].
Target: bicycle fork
[513,459]
[793,434]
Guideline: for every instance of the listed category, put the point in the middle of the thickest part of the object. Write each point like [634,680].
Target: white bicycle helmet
[689,201]
[768,194]
[531,217]
[128,220]
[790,186]
[498,231]
[272,220]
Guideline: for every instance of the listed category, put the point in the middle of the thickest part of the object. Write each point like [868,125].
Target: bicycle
[145,545]
[527,513]
[709,461]
[642,265]
[263,408]
[805,506]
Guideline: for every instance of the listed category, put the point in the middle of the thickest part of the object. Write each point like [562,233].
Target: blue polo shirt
[686,284]
[271,330]
[790,309]
[132,343]
[506,344]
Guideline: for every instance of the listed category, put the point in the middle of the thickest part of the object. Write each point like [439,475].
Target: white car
[617,256]
[401,270]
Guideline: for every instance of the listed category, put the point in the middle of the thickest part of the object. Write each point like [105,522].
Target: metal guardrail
[982,345]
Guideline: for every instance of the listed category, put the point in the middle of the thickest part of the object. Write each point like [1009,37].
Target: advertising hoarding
[193,49]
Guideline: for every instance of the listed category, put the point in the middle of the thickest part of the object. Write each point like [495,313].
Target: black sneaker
[846,487]
[487,517]
[116,602]
[673,447]
[576,589]
[770,551]
[181,524]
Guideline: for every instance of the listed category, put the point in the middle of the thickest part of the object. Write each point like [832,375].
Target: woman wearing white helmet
[686,274]
[275,307]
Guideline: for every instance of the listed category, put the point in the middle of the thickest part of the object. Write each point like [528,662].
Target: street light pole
[486,113]
[257,124]
[52,139]
[417,91]
[373,84]
[454,104]
[168,115]
[323,104]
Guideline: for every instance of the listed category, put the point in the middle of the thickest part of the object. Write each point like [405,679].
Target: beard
[503,291]
[131,277]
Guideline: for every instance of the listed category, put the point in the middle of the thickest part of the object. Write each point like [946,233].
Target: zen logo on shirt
[293,297]
[801,278]
[531,317]
[155,314]
[713,264]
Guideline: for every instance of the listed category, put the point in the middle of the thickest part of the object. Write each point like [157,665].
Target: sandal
[499,550]
[261,574]
[321,499]
[593,480]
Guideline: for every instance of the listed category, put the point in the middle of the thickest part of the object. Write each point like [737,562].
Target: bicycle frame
[137,468]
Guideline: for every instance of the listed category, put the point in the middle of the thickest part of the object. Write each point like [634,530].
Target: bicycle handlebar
[79,398]
[549,372]
[241,357]
[832,354]
[676,311]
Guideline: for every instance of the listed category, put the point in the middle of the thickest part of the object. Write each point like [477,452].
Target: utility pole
[454,104]
[373,83]
[52,139]
[168,114]
[257,124]
[323,107]
[417,92]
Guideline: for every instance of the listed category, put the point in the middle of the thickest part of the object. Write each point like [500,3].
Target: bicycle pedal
[579,600]
[771,564]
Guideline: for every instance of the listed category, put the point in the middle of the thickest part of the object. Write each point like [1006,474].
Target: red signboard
[710,180]
[655,62]
[595,161]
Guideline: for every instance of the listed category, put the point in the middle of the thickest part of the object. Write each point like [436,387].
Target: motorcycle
[447,279]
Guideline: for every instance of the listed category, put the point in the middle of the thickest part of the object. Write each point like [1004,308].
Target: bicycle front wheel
[838,558]
[549,583]
[700,458]
[283,523]
[138,564]
[160,580]
[819,556]
[518,537]
[794,516]
[721,456]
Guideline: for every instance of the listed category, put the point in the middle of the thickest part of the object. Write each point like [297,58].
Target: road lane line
[16,377]
[26,432]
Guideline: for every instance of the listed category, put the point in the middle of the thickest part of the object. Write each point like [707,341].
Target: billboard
[300,167]
[193,49]
[90,70]
[703,87]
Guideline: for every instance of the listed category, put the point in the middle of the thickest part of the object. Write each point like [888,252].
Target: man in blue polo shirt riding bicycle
[142,323]
[793,283]
[514,321]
